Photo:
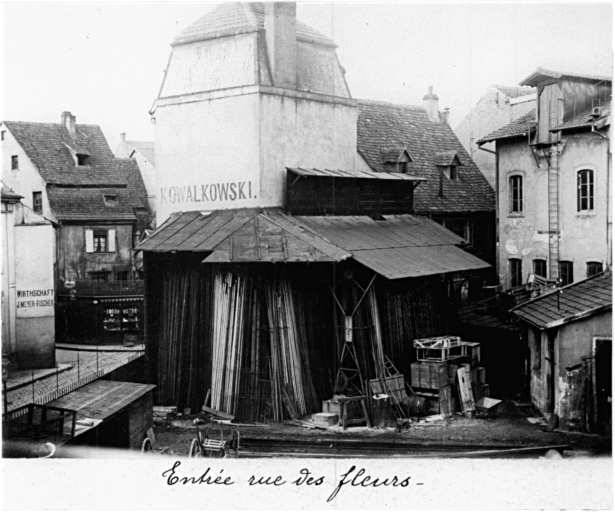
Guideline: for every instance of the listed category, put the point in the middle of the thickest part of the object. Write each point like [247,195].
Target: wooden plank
[219,414]
[465,390]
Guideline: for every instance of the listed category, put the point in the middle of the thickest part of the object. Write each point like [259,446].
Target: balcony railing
[105,288]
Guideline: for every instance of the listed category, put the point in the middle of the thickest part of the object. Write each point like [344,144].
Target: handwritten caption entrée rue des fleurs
[352,478]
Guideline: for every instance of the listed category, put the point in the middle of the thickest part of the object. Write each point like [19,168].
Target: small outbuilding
[570,347]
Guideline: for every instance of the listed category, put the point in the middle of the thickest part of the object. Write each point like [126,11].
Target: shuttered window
[99,240]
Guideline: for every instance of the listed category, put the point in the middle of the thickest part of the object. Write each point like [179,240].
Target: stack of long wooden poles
[182,355]
[293,389]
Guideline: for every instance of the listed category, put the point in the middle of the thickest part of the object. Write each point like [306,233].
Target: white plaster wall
[206,145]
[8,282]
[583,237]
[519,234]
[299,132]
[26,179]
[491,112]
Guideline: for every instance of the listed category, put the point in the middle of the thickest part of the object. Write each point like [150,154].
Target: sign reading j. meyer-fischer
[37,302]
[216,192]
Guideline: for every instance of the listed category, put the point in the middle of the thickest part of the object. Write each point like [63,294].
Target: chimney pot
[69,121]
[447,112]
[430,104]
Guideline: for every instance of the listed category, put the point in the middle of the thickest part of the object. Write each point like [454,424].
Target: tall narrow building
[248,91]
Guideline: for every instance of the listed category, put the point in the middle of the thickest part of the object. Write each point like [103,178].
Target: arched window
[585,190]
[515,192]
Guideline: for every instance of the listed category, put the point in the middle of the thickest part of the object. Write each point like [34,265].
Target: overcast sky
[104,61]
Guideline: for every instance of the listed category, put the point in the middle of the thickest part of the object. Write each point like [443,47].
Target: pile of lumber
[161,413]
[448,374]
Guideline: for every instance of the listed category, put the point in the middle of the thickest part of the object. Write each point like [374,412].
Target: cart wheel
[195,449]
[146,446]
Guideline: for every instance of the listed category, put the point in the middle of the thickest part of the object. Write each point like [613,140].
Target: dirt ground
[509,429]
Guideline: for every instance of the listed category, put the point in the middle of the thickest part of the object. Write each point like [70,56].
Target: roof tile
[382,125]
[572,302]
[517,128]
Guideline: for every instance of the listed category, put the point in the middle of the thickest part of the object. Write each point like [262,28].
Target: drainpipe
[609,238]
[497,208]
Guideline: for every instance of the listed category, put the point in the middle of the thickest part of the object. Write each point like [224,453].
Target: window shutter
[89,240]
[111,240]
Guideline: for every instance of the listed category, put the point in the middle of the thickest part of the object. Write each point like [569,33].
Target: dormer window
[453,173]
[396,159]
[448,162]
[110,199]
[80,155]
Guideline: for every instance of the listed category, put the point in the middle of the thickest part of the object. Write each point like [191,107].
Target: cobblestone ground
[86,365]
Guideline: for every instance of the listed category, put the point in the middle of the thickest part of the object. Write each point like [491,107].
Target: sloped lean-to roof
[573,302]
[520,127]
[382,125]
[398,247]
[353,174]
[586,119]
[242,236]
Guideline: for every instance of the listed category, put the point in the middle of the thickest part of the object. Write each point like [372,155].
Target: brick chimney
[430,104]
[447,112]
[69,121]
[123,137]
[281,27]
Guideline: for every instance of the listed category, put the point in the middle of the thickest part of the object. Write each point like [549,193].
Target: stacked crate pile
[434,375]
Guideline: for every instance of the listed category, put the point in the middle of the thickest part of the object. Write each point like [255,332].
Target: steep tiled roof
[236,18]
[383,125]
[573,302]
[87,204]
[516,128]
[147,149]
[137,193]
[46,146]
[515,92]
[583,120]
[213,62]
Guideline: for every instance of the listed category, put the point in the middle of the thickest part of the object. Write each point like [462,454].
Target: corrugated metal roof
[573,302]
[399,247]
[418,261]
[248,235]
[354,174]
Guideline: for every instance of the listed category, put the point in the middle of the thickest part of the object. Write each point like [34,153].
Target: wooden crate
[482,375]
[439,402]
[331,406]
[394,385]
[472,351]
[438,342]
[440,354]
[429,375]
